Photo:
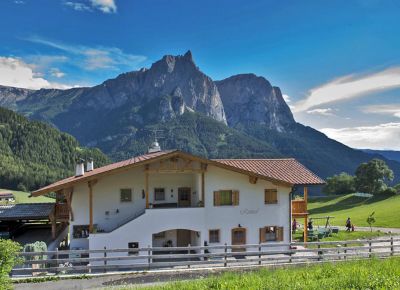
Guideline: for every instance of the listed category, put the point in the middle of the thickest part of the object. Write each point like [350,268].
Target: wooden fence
[143,259]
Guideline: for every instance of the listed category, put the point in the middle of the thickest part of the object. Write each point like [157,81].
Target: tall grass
[366,274]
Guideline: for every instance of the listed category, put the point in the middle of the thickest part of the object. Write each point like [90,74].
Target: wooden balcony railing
[299,207]
[62,211]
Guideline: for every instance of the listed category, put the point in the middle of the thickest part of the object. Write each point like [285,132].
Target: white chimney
[80,168]
[89,165]
[155,147]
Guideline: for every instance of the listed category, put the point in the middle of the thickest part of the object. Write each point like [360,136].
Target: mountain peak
[250,99]
[188,55]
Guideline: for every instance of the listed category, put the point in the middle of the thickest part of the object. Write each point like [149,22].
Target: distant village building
[172,198]
[7,197]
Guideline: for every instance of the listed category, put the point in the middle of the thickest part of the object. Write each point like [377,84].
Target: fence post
[319,252]
[369,248]
[56,258]
[345,251]
[259,256]
[225,258]
[391,246]
[105,261]
[189,256]
[148,256]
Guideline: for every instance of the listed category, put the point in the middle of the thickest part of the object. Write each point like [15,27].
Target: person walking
[294,226]
[348,224]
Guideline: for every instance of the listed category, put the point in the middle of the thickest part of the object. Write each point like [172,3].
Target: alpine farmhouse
[171,198]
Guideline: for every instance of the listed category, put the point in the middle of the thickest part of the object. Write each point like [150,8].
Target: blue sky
[338,62]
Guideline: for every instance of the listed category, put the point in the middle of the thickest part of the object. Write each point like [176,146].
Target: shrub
[389,191]
[37,246]
[339,184]
[8,259]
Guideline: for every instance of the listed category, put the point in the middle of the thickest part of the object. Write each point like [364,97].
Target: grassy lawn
[343,236]
[367,274]
[22,197]
[387,209]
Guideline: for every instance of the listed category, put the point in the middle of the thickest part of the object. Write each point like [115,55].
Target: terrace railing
[299,207]
[140,259]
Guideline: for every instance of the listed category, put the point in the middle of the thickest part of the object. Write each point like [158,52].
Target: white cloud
[382,136]
[92,58]
[322,112]
[286,98]
[389,109]
[349,87]
[107,6]
[55,72]
[16,73]
[78,6]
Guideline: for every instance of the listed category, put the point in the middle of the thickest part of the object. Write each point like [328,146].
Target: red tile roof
[99,171]
[287,170]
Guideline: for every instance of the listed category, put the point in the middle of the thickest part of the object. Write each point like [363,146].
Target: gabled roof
[284,171]
[6,194]
[26,211]
[287,170]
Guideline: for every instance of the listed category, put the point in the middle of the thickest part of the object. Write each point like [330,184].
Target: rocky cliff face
[250,99]
[9,96]
[167,77]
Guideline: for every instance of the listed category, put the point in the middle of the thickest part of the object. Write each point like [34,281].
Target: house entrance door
[184,197]
[182,238]
[238,238]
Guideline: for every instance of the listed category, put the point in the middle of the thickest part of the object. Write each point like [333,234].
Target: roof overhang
[70,182]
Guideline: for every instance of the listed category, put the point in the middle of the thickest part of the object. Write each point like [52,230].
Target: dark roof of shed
[26,211]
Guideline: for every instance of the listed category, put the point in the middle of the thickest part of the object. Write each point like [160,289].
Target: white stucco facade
[119,223]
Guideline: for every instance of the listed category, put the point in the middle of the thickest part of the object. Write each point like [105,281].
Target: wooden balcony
[62,212]
[299,208]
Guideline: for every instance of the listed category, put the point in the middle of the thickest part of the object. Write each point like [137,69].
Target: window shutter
[270,196]
[279,234]
[262,235]
[275,196]
[217,199]
[235,197]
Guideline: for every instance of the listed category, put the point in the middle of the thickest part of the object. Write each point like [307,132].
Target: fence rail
[104,260]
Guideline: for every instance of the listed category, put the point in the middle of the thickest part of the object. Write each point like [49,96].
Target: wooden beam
[253,179]
[53,220]
[174,170]
[305,234]
[305,196]
[146,185]
[68,192]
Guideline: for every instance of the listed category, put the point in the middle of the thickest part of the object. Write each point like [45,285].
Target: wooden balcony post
[306,195]
[305,229]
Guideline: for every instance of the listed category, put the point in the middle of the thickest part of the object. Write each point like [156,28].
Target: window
[271,196]
[80,231]
[126,195]
[159,193]
[226,197]
[213,236]
[134,246]
[271,234]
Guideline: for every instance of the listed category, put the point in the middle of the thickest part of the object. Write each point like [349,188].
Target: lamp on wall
[239,225]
